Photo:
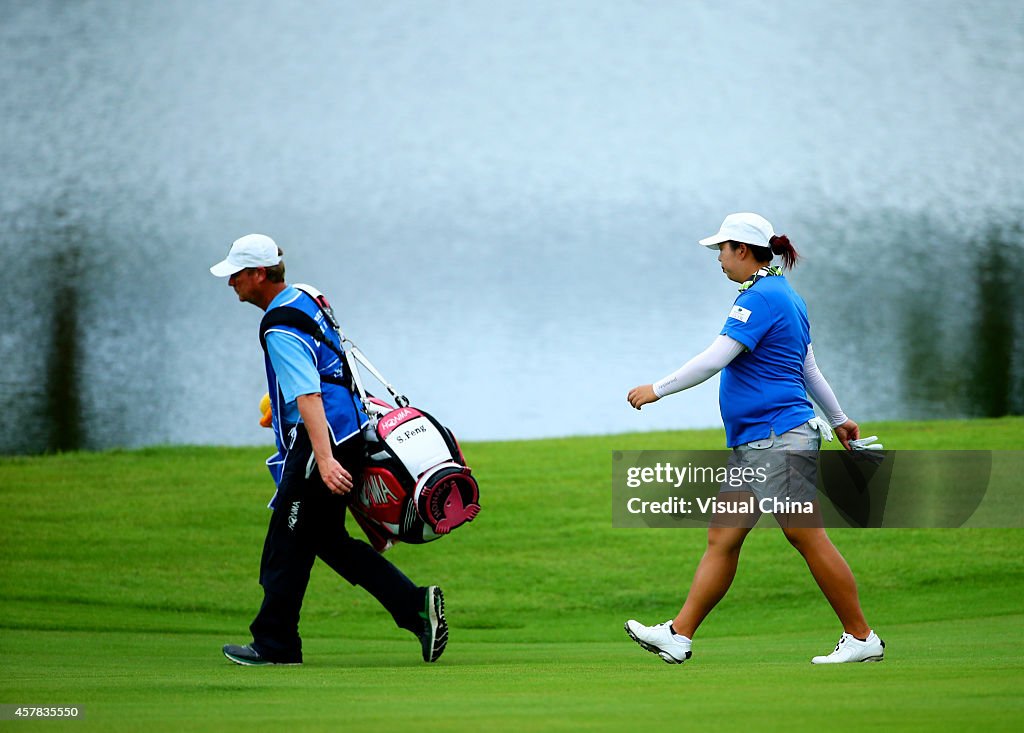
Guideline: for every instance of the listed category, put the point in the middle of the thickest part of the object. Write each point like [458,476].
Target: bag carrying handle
[353,355]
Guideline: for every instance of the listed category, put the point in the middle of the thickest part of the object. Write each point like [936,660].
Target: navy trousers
[308,521]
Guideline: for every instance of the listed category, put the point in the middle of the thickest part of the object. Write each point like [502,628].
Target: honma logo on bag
[376,491]
[455,510]
[393,419]
[293,515]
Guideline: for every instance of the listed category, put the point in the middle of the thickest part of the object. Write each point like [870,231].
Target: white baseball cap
[746,228]
[252,250]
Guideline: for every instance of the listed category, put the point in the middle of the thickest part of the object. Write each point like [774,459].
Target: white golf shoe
[852,649]
[660,640]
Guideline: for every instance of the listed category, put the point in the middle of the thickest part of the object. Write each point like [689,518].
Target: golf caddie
[317,425]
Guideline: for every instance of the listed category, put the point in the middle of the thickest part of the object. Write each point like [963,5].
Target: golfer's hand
[848,431]
[642,395]
[335,477]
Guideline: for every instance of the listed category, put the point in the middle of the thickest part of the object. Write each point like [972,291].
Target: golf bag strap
[297,319]
[352,354]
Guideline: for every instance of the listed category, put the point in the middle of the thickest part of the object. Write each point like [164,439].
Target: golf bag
[416,486]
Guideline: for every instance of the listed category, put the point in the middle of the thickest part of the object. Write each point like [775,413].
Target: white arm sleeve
[700,368]
[821,392]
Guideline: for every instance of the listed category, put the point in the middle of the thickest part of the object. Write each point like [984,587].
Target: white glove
[868,443]
[822,427]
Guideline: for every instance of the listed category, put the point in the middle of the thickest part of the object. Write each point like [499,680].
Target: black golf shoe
[434,636]
[249,657]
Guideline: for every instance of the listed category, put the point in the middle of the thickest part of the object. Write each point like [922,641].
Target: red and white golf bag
[416,485]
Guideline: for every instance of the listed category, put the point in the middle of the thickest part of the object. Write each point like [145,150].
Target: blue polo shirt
[763,389]
[295,362]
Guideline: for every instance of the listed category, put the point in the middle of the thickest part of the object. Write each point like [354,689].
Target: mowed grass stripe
[957,685]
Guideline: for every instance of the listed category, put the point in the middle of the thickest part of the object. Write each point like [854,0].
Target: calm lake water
[502,200]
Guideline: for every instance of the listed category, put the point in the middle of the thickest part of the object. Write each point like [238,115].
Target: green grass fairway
[123,573]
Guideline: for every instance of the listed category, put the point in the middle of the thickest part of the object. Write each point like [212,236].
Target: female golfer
[768,370]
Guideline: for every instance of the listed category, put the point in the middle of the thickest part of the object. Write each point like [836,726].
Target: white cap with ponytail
[747,228]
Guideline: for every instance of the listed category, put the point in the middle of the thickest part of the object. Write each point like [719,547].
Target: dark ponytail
[781,246]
